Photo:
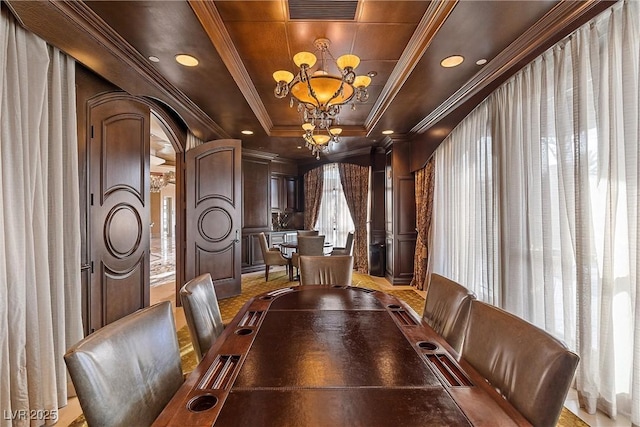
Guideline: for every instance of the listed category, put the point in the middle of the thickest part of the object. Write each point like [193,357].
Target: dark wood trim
[77,30]
[213,25]
[295,131]
[566,17]
[433,19]
[549,27]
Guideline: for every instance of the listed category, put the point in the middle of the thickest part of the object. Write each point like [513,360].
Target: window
[334,220]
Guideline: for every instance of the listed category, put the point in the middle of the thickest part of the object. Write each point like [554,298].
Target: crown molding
[91,25]
[246,152]
[213,25]
[432,20]
[296,131]
[557,19]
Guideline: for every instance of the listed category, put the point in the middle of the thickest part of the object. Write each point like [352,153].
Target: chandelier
[158,181]
[320,95]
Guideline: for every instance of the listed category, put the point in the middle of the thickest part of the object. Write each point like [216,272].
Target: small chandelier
[157,182]
[320,95]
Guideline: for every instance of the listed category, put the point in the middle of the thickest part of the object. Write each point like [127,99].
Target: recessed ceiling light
[372,73]
[186,60]
[387,132]
[481,61]
[452,61]
[299,147]
[246,132]
[154,59]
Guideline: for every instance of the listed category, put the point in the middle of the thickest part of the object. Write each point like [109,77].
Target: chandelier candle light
[320,94]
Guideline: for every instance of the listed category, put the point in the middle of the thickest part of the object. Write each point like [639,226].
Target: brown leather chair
[326,270]
[446,309]
[126,372]
[347,249]
[308,233]
[202,313]
[272,256]
[308,245]
[532,369]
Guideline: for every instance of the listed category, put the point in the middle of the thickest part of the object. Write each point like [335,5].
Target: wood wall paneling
[256,181]
[276,189]
[257,207]
[400,208]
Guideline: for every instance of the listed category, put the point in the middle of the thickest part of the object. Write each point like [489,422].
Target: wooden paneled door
[119,207]
[214,209]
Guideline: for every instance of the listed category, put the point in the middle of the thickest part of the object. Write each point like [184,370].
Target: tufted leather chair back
[326,270]
[310,245]
[202,313]
[447,308]
[126,372]
[532,369]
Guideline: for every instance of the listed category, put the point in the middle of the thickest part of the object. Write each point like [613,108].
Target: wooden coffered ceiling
[241,43]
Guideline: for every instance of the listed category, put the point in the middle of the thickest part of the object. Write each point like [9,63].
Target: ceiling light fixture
[154,59]
[452,61]
[246,132]
[481,61]
[387,132]
[157,182]
[320,95]
[187,60]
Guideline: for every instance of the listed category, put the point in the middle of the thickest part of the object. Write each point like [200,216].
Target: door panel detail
[119,217]
[129,282]
[120,161]
[214,195]
[213,172]
[218,263]
[123,230]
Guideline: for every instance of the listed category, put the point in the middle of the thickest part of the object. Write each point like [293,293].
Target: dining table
[325,355]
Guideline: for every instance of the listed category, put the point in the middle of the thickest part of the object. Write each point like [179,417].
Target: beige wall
[156,209]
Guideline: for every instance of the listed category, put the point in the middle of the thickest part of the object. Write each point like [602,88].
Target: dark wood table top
[328,356]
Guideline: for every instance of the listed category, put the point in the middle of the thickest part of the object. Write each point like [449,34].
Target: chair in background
[272,256]
[126,373]
[530,368]
[447,308]
[202,313]
[308,245]
[307,233]
[326,270]
[347,249]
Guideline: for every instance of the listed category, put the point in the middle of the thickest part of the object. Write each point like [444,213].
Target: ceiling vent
[318,10]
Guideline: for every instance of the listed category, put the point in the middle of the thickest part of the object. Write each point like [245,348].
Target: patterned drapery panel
[424,209]
[355,184]
[313,181]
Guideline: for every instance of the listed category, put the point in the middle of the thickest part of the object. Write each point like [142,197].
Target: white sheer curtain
[536,203]
[40,312]
[193,141]
[334,220]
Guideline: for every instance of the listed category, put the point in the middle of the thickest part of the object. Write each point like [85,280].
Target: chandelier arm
[313,94]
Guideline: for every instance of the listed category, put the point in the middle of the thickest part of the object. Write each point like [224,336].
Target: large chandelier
[320,95]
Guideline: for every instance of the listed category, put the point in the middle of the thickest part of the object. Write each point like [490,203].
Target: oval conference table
[321,355]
